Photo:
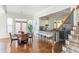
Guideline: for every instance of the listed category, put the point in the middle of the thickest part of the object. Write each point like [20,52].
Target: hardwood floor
[37,46]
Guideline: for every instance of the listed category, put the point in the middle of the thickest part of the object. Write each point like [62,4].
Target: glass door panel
[18,27]
[24,27]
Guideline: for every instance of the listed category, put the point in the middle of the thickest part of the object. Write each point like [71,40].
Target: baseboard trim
[4,37]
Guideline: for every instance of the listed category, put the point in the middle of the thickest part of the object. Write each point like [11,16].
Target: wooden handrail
[77,7]
[55,45]
[65,19]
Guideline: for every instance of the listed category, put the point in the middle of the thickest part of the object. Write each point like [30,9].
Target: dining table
[30,36]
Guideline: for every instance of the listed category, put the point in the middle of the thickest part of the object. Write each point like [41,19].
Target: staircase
[72,44]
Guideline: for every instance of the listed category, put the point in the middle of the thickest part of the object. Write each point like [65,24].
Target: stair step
[75,41]
[72,49]
[70,36]
[72,44]
[75,36]
[73,32]
[68,50]
[65,52]
[76,28]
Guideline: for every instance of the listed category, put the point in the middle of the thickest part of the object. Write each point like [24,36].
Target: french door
[21,26]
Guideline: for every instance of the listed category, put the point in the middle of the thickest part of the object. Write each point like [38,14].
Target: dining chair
[24,39]
[13,38]
[30,36]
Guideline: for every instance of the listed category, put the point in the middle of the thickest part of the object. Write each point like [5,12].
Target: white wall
[43,22]
[3,31]
[51,23]
[36,24]
[77,16]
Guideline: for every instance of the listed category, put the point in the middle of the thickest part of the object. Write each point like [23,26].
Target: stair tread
[73,48]
[74,41]
[74,36]
[74,31]
[74,44]
[69,50]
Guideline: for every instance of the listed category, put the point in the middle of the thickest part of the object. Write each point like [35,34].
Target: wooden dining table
[30,36]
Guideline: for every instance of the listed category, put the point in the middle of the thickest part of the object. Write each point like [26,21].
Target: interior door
[17,27]
[20,26]
[24,27]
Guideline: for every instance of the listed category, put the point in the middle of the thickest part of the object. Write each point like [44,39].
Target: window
[21,25]
[18,27]
[10,25]
[24,27]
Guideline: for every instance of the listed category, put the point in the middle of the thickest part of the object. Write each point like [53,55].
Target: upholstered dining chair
[13,38]
[24,39]
[30,36]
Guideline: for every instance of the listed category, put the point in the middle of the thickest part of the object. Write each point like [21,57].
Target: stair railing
[56,46]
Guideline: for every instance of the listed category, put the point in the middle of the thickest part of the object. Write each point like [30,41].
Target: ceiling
[26,9]
[58,15]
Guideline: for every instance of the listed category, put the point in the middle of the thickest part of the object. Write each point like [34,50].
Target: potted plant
[30,28]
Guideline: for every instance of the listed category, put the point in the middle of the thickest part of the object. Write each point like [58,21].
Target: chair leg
[18,42]
[24,45]
[11,43]
[32,39]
